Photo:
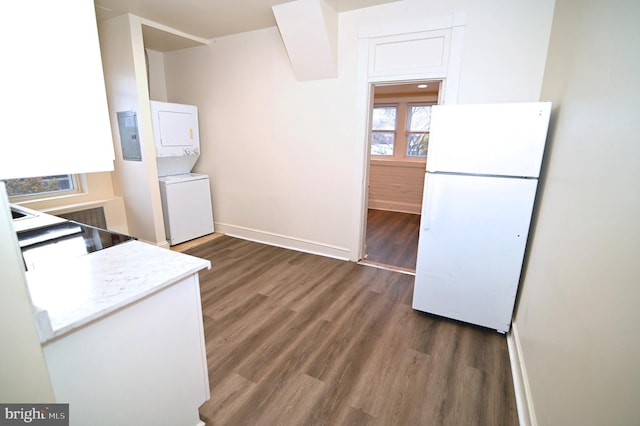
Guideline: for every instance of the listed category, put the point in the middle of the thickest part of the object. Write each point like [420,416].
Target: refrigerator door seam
[481,175]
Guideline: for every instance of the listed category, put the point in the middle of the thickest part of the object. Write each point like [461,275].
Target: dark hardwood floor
[300,339]
[392,239]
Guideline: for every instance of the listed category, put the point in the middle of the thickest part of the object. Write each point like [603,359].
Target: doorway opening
[399,134]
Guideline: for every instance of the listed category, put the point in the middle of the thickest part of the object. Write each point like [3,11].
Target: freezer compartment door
[473,235]
[494,139]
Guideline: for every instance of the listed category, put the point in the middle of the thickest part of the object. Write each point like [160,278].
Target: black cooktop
[48,245]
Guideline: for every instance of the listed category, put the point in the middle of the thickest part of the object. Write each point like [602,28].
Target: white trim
[415,26]
[394,206]
[521,386]
[172,31]
[394,55]
[77,206]
[283,241]
[449,75]
[163,244]
[454,67]
[364,99]
[79,185]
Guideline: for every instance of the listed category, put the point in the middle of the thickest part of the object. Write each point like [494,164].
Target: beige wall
[285,157]
[96,190]
[396,185]
[578,318]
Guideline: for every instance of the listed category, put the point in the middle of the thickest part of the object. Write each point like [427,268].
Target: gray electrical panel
[128,126]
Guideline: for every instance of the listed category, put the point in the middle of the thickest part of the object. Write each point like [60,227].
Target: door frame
[362,257]
[404,43]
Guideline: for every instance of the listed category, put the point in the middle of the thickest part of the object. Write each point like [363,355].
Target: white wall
[277,150]
[578,319]
[155,69]
[285,157]
[127,90]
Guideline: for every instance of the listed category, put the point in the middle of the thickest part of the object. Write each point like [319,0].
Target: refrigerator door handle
[426,199]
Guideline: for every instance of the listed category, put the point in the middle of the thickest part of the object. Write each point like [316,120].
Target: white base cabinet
[144,364]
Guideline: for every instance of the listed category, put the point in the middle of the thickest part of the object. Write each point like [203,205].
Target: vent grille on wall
[93,217]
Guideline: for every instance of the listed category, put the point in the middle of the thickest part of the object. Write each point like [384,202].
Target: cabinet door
[54,105]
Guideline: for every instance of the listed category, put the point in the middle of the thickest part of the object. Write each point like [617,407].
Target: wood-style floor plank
[299,339]
[392,239]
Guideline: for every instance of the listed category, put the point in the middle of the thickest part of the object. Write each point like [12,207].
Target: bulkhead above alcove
[166,39]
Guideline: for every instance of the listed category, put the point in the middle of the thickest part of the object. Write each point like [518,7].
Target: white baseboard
[524,403]
[163,244]
[395,206]
[283,241]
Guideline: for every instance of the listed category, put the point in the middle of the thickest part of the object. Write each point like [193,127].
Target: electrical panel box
[129,139]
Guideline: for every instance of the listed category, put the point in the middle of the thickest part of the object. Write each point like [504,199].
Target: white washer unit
[186,197]
[186,204]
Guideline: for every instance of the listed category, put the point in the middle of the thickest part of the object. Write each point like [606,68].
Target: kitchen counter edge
[76,293]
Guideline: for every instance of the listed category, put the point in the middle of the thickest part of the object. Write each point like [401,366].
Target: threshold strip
[391,268]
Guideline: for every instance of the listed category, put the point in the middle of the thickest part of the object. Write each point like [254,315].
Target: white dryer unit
[176,137]
[186,204]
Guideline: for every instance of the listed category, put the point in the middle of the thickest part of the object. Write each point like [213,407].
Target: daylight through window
[41,185]
[383,134]
[408,144]
[418,123]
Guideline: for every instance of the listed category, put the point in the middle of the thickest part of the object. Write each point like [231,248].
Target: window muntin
[42,185]
[417,130]
[409,140]
[383,132]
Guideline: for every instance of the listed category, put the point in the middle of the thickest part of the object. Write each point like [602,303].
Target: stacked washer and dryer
[186,197]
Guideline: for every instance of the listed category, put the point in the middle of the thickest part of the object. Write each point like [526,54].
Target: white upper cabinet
[55,118]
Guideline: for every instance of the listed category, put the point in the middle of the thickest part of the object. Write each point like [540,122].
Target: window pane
[418,123]
[384,118]
[382,143]
[39,185]
[417,144]
[419,118]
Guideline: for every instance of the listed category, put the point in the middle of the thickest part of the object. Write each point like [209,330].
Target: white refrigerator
[483,164]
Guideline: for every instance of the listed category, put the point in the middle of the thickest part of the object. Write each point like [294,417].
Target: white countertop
[74,293]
